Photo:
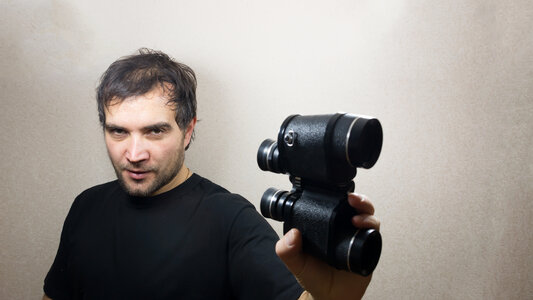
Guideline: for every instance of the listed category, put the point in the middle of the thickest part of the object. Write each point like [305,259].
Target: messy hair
[138,74]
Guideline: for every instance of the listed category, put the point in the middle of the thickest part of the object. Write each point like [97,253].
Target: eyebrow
[109,127]
[160,125]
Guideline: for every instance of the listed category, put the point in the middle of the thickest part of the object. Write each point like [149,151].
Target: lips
[137,174]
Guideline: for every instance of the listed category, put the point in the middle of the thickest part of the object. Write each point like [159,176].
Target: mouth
[137,174]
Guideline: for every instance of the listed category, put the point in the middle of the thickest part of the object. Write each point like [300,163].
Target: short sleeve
[256,272]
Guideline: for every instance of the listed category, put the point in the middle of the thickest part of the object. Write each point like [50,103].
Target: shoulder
[87,203]
[219,197]
[101,189]
[96,194]
[226,207]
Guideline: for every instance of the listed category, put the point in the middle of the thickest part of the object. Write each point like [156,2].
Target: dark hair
[138,74]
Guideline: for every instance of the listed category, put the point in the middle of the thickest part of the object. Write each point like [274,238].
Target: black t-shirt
[197,241]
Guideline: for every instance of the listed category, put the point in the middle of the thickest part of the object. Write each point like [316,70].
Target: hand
[318,278]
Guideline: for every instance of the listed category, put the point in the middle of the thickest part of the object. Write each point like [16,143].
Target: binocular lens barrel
[355,250]
[359,252]
[364,139]
[323,147]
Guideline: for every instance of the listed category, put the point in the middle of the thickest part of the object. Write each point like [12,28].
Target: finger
[366,221]
[289,250]
[361,204]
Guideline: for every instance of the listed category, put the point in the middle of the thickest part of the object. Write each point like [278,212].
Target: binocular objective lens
[364,141]
[364,251]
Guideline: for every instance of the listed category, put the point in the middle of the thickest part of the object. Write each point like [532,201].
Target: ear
[188,133]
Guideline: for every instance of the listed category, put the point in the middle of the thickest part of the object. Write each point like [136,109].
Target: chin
[137,190]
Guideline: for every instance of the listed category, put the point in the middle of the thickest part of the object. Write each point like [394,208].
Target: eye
[156,131]
[118,131]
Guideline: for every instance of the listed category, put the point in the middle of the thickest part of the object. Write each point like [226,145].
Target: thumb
[289,250]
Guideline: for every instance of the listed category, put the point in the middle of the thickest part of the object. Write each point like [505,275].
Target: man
[162,232]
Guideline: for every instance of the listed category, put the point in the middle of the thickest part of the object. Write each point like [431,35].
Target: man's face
[145,144]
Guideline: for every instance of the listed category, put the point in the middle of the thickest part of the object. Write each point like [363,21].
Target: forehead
[150,108]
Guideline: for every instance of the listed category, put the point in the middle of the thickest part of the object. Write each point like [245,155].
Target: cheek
[114,150]
[166,151]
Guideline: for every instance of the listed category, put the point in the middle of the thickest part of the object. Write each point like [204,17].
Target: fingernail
[289,238]
[360,196]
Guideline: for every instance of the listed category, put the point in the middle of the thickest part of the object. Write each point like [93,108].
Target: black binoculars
[321,154]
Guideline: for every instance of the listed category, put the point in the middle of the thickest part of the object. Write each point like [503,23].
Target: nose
[137,150]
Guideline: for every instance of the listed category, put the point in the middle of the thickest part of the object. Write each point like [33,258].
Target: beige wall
[451,82]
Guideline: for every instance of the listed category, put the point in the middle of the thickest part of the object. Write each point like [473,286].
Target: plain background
[451,82]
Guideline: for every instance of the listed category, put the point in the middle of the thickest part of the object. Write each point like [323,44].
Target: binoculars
[321,154]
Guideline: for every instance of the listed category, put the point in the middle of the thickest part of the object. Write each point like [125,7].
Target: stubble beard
[163,175]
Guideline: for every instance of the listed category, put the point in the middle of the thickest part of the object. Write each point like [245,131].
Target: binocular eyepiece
[321,154]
